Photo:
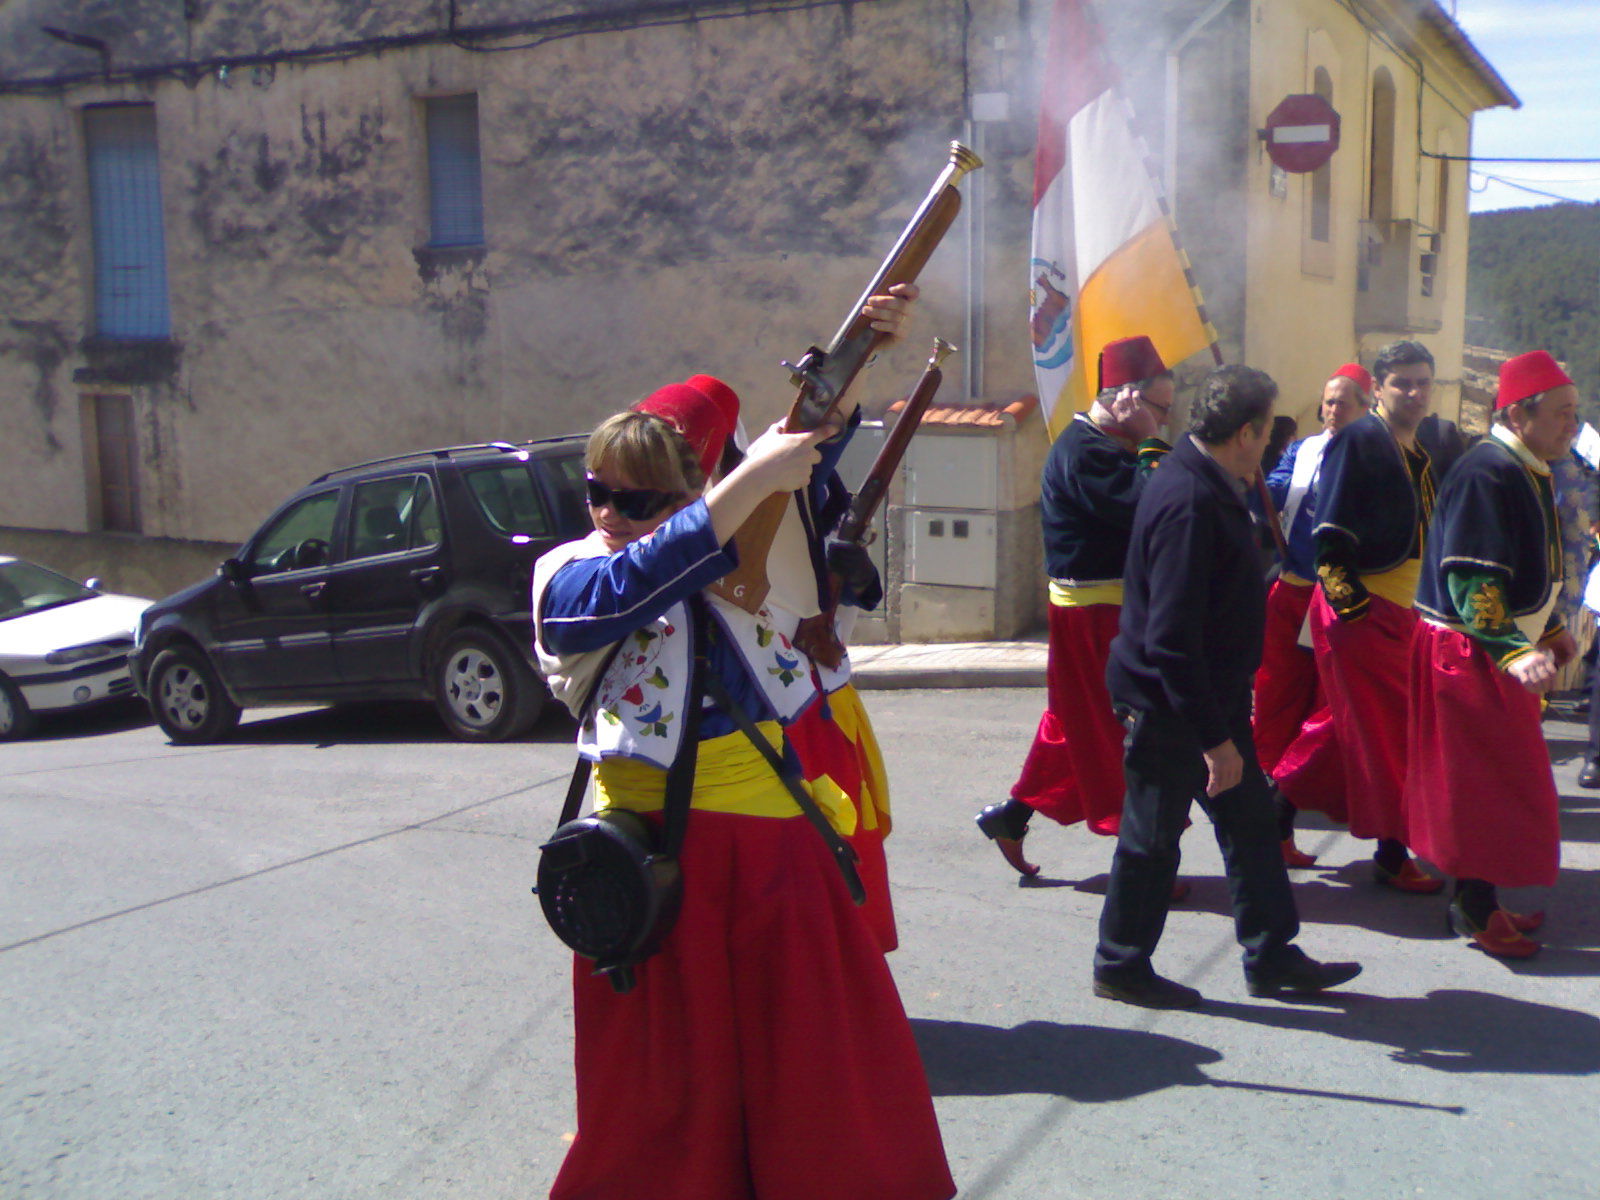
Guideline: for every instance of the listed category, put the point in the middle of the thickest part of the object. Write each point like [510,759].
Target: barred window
[455,176]
[130,254]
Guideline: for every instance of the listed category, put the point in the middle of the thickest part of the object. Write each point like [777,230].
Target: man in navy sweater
[1181,667]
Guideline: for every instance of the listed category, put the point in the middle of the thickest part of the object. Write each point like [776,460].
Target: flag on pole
[1106,263]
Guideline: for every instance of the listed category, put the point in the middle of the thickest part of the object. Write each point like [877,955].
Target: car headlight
[84,653]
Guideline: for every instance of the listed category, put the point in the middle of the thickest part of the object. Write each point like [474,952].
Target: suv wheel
[16,718]
[483,690]
[187,698]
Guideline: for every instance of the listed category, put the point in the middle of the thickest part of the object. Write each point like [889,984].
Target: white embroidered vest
[640,700]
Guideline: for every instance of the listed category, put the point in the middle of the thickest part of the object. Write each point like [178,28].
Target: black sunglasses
[636,504]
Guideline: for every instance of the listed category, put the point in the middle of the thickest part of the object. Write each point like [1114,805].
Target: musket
[816,634]
[823,375]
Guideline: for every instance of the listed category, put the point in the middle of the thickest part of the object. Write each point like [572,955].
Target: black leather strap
[843,853]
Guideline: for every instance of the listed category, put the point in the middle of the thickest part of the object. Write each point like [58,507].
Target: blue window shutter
[455,178]
[130,252]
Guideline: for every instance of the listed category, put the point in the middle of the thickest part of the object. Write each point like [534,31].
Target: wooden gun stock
[816,636]
[823,375]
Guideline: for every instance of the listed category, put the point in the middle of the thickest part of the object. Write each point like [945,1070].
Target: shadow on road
[965,1059]
[1446,1030]
[116,716]
[377,723]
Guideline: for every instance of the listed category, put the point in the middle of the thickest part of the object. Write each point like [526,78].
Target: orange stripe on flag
[1140,288]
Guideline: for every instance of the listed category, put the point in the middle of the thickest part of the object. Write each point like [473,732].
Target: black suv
[404,578]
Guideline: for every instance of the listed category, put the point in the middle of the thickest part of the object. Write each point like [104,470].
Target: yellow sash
[730,777]
[1398,585]
[1073,595]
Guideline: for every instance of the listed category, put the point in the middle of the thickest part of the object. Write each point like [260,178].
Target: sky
[1548,52]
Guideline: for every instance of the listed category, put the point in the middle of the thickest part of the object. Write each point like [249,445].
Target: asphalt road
[306,964]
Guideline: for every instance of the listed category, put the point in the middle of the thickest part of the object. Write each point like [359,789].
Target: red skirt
[1073,771]
[1295,738]
[1365,666]
[1480,798]
[764,1053]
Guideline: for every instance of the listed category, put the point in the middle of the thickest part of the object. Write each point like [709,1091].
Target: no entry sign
[1302,133]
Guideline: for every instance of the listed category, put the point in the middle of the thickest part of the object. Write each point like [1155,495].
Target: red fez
[695,415]
[721,394]
[1528,375]
[1356,374]
[1129,360]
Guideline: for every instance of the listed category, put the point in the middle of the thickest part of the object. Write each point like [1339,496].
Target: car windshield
[25,588]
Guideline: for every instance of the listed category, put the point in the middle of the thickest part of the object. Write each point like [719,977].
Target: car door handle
[427,576]
[312,590]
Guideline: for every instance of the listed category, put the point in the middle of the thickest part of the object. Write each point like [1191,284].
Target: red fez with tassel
[1129,360]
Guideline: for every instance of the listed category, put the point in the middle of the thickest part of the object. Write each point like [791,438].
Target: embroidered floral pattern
[1335,584]
[1488,607]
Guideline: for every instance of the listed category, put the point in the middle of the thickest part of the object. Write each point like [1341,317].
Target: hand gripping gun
[823,375]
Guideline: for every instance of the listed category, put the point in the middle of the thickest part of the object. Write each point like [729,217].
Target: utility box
[952,471]
[965,561]
[953,547]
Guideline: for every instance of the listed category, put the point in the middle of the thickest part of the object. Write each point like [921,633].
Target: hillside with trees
[1533,282]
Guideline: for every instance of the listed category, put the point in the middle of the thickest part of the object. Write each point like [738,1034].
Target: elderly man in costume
[1180,668]
[1092,481]
[1292,724]
[1374,501]
[1480,799]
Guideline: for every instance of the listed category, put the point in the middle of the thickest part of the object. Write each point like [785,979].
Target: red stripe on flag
[1075,72]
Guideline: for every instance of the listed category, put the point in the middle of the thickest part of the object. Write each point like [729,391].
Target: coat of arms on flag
[1105,262]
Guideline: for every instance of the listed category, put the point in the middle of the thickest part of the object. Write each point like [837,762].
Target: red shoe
[1293,856]
[1500,937]
[1409,878]
[1001,824]
[1011,851]
[1524,922]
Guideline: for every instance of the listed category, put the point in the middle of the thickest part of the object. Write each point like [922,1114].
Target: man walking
[1374,503]
[1091,485]
[1180,668]
[1480,799]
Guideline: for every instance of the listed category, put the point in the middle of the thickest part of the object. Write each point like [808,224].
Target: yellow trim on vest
[1072,595]
[730,777]
[1398,585]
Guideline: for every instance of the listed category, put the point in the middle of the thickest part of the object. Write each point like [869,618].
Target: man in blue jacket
[1181,669]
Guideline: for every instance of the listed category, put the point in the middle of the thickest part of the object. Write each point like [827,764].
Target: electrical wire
[1490,179]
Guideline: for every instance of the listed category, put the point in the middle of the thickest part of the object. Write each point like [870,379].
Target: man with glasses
[1374,504]
[1092,481]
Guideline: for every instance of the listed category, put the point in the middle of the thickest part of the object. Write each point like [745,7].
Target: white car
[63,645]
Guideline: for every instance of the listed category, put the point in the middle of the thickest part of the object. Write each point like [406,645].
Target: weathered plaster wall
[657,202]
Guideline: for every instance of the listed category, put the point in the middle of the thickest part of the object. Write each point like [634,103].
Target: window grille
[130,254]
[455,176]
